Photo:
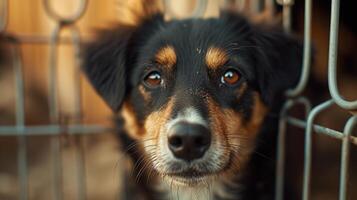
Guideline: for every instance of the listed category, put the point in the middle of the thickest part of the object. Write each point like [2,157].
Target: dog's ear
[104,63]
[278,62]
[108,58]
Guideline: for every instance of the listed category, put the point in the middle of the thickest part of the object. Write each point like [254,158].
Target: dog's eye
[230,77]
[153,79]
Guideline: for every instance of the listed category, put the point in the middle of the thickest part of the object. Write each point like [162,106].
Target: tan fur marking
[144,93]
[237,136]
[241,90]
[152,124]
[259,112]
[215,57]
[166,56]
[132,126]
[156,120]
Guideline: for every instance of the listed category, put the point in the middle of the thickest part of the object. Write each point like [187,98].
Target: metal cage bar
[332,61]
[20,120]
[345,154]
[199,10]
[287,4]
[308,146]
[279,184]
[61,24]
[4,15]
[306,54]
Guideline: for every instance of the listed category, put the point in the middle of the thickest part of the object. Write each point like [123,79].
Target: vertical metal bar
[345,152]
[54,113]
[20,121]
[332,62]
[76,41]
[80,149]
[200,8]
[241,4]
[4,7]
[199,11]
[254,6]
[280,167]
[236,4]
[269,4]
[287,18]
[81,169]
[56,145]
[308,145]
[307,53]
[287,4]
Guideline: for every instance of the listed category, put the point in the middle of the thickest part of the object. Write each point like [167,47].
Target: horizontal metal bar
[43,39]
[321,129]
[54,130]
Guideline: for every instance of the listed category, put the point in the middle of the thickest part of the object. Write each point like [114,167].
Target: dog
[195,98]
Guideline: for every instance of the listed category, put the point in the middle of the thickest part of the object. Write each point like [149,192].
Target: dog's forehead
[191,43]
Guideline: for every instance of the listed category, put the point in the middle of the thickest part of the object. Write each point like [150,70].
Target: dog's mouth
[194,176]
[189,177]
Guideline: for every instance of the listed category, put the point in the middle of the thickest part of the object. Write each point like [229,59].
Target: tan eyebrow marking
[166,56]
[215,57]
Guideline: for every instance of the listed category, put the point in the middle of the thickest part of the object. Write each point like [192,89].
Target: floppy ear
[278,62]
[107,60]
[104,63]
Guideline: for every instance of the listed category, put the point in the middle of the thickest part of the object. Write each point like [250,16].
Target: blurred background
[30,24]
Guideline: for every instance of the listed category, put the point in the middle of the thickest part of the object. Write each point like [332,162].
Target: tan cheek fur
[156,120]
[232,132]
[152,124]
[132,126]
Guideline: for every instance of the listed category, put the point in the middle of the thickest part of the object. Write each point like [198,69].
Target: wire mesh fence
[57,127]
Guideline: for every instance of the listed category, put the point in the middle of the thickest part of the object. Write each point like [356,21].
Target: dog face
[194,93]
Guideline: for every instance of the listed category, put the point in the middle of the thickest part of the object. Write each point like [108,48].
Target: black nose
[189,141]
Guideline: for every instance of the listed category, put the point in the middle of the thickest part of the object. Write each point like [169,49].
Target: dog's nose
[188,141]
